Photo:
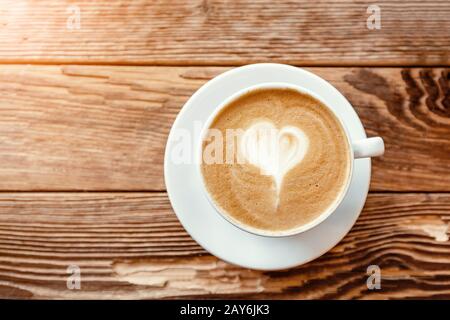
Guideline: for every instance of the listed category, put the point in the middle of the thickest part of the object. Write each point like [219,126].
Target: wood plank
[130,245]
[105,127]
[221,32]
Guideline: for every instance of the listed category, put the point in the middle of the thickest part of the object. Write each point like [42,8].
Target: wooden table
[85,113]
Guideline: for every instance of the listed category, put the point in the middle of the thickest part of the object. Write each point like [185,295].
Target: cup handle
[370,147]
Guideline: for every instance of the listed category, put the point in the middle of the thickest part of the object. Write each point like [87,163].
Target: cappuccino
[286,162]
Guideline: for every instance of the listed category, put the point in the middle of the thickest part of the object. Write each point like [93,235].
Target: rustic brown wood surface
[64,128]
[224,32]
[131,245]
[81,143]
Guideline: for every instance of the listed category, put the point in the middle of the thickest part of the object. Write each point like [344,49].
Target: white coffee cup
[365,148]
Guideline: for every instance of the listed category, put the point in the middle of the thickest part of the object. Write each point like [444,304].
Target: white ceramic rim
[261,232]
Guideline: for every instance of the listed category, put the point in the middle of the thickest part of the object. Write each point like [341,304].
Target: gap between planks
[220,64]
[395,192]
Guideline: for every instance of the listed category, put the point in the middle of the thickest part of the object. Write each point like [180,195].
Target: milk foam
[274,151]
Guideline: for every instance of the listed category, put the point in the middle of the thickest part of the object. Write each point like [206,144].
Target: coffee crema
[283,185]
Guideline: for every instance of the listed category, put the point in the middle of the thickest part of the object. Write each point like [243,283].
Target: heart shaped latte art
[274,151]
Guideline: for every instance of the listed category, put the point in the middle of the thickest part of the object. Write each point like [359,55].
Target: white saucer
[217,235]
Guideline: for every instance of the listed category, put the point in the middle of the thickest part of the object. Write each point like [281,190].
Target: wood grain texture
[131,245]
[105,127]
[220,32]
